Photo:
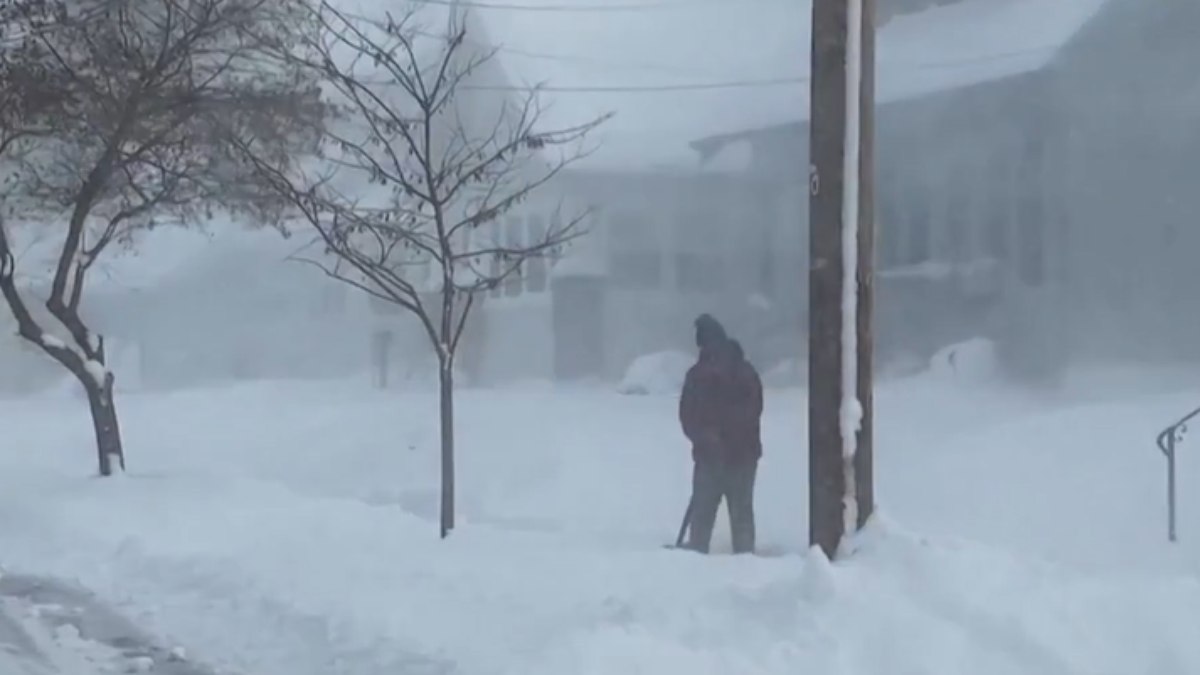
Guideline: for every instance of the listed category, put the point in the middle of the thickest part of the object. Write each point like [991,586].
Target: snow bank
[970,362]
[301,587]
[787,373]
[19,654]
[32,644]
[658,373]
[900,605]
[298,536]
[50,627]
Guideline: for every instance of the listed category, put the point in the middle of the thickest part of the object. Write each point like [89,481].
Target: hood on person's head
[735,351]
[709,331]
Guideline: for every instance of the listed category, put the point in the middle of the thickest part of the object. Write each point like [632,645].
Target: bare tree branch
[409,186]
[120,115]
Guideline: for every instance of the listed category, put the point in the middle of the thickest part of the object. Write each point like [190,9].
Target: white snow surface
[96,371]
[30,647]
[657,373]
[289,529]
[53,341]
[971,362]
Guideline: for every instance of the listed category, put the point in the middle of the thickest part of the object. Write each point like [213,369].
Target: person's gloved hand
[709,445]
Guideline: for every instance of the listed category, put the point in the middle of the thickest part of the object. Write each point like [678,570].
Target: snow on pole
[850,414]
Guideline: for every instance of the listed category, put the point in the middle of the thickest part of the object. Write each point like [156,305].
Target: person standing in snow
[720,410]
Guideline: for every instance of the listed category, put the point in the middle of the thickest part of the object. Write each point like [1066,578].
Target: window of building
[996,227]
[330,300]
[702,247]
[958,220]
[493,271]
[997,211]
[490,264]
[699,273]
[382,307]
[514,239]
[636,270]
[634,255]
[918,231]
[889,229]
[536,267]
[1031,263]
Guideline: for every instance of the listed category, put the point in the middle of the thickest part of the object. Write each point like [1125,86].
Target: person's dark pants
[713,480]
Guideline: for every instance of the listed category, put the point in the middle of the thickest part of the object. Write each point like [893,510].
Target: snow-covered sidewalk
[50,627]
[286,529]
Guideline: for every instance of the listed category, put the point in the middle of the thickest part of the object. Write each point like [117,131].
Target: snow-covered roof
[974,41]
[608,53]
[678,44]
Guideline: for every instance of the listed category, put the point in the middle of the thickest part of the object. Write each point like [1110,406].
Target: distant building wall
[1131,95]
[659,249]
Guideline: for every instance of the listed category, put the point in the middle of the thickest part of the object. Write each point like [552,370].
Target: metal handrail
[1167,440]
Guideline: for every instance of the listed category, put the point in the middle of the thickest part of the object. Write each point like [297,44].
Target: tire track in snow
[78,623]
[208,599]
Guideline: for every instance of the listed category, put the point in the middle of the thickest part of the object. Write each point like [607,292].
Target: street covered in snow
[290,528]
[52,627]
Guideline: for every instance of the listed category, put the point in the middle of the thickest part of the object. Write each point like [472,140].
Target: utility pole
[841,242]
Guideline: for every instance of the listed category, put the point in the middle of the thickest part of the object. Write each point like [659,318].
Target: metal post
[1171,534]
[1167,442]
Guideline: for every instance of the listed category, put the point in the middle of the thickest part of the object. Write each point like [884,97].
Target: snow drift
[969,362]
[657,373]
[295,537]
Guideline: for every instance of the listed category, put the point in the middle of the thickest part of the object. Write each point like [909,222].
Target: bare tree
[149,98]
[406,196]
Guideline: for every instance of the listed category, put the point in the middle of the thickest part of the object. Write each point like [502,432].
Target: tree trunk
[446,410]
[105,424]
[78,359]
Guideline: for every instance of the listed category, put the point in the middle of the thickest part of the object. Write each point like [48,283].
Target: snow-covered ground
[30,647]
[287,528]
[51,627]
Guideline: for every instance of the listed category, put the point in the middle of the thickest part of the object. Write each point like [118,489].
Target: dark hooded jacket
[721,402]
[743,430]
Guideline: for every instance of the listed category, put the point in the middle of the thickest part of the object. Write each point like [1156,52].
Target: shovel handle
[683,527]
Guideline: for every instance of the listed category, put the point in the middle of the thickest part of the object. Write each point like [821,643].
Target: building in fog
[1037,165]
[659,235]
[667,237]
[1037,162]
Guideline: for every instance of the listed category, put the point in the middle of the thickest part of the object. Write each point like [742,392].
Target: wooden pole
[840,366]
[865,457]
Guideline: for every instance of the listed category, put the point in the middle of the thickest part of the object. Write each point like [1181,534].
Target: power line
[589,60]
[746,83]
[568,58]
[606,7]
[698,86]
